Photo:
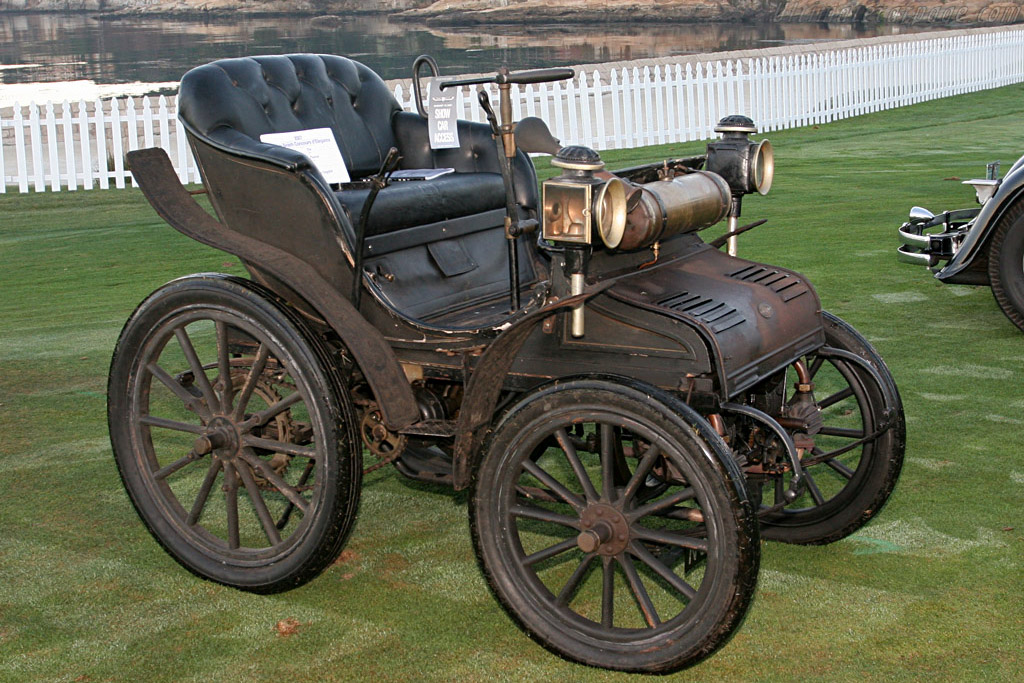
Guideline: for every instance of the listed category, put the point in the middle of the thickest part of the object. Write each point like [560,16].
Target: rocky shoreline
[475,12]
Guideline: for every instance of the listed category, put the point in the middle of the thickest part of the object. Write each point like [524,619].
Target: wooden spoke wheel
[612,524]
[245,469]
[851,465]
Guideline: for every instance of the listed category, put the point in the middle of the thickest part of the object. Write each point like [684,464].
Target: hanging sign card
[441,121]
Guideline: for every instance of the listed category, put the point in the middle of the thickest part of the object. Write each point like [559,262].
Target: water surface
[48,48]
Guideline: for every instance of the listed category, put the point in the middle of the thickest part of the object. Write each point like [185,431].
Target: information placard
[319,145]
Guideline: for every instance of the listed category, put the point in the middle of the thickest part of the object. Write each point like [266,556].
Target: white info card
[319,145]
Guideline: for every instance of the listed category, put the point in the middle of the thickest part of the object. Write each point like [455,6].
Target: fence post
[615,92]
[36,138]
[69,146]
[661,115]
[101,147]
[51,146]
[574,113]
[3,161]
[115,139]
[19,149]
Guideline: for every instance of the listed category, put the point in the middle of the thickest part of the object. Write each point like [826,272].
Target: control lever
[512,227]
[377,183]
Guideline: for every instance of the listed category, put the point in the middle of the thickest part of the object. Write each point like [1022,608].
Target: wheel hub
[221,437]
[603,529]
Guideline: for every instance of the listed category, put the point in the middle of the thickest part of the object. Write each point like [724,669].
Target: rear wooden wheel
[240,457]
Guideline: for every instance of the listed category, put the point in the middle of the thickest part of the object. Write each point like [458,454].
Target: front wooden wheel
[612,525]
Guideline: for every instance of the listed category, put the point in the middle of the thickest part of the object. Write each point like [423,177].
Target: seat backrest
[278,94]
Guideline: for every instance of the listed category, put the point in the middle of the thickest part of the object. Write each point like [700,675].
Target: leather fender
[485,384]
[155,175]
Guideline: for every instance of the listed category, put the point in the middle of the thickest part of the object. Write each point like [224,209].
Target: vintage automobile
[980,246]
[631,408]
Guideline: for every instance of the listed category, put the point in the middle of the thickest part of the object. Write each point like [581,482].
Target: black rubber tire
[223,535]
[578,629]
[1006,264]
[875,465]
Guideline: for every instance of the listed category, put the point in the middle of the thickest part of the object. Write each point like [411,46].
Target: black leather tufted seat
[438,245]
[232,102]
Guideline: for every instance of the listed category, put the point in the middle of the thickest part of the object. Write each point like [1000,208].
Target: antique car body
[979,246]
[630,407]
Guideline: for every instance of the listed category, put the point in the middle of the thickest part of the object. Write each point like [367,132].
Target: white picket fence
[70,146]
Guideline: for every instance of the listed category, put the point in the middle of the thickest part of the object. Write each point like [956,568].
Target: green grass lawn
[932,589]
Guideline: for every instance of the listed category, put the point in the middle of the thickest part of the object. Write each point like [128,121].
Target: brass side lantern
[576,205]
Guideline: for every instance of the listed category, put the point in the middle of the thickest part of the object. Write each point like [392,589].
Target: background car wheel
[232,438]
[1006,264]
[856,458]
[612,525]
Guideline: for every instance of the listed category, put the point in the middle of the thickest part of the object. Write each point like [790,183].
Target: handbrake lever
[378,182]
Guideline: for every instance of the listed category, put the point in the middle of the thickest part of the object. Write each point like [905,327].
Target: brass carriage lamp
[579,208]
[748,166]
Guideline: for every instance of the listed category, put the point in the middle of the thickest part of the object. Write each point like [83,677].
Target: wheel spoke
[668,538]
[164,423]
[287,514]
[168,470]
[639,592]
[812,488]
[279,446]
[536,493]
[550,551]
[657,506]
[815,366]
[840,468]
[267,414]
[204,493]
[553,484]
[261,468]
[231,503]
[607,592]
[574,581]
[256,498]
[541,515]
[197,368]
[258,365]
[662,570]
[608,439]
[191,402]
[843,432]
[835,398]
[577,466]
[642,470]
[224,366]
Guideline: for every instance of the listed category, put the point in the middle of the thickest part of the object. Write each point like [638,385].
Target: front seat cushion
[408,203]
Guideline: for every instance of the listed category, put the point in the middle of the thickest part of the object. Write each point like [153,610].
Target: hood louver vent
[784,284]
[718,316]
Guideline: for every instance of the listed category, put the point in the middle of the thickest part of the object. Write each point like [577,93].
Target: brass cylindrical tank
[668,207]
